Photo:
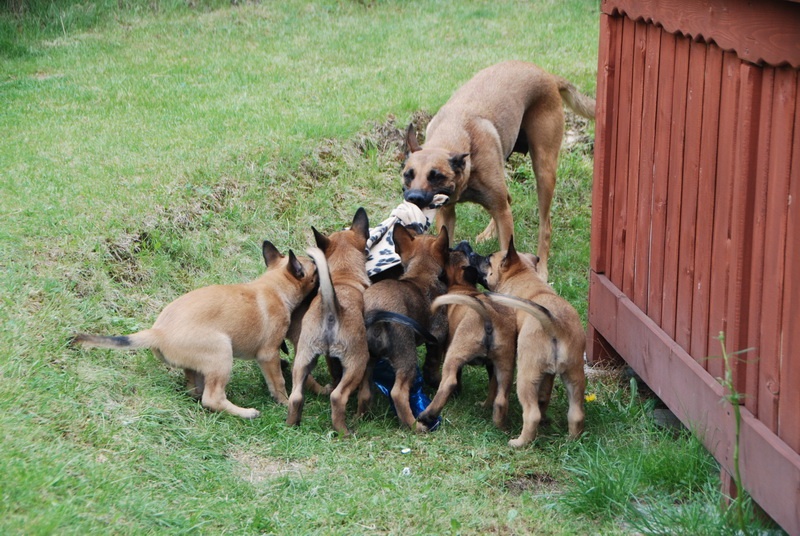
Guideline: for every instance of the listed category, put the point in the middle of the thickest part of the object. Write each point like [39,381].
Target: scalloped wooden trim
[765,32]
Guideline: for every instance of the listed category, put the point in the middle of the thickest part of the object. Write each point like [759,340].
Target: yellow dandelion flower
[590,397]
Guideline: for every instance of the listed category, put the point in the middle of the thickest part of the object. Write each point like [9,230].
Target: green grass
[148,148]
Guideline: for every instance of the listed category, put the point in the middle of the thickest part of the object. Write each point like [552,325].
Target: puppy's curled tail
[330,305]
[143,339]
[577,101]
[462,299]
[541,313]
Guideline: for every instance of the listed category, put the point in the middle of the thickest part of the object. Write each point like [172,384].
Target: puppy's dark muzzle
[421,198]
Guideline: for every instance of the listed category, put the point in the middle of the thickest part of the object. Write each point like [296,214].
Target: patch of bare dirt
[532,483]
[258,469]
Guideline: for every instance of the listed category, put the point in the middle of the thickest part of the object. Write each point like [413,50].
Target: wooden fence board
[620,187]
[674,186]
[707,176]
[661,151]
[771,351]
[722,248]
[688,202]
[633,151]
[644,216]
[758,216]
[788,413]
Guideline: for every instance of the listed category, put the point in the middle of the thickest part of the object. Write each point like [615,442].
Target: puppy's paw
[250,413]
[517,443]
[488,233]
[326,390]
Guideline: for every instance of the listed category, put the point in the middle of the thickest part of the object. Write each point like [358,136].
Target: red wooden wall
[696,220]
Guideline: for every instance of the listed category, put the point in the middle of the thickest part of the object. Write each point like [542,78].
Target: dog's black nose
[421,198]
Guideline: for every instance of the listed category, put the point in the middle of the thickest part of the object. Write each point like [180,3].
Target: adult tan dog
[333,326]
[479,329]
[423,258]
[202,331]
[550,339]
[511,106]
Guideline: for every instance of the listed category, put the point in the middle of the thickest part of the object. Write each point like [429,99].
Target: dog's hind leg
[304,361]
[544,127]
[503,378]
[545,392]
[214,397]
[365,391]
[575,382]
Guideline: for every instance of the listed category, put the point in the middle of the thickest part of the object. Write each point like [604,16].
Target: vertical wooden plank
[646,164]
[789,402]
[722,248]
[661,150]
[613,148]
[741,218]
[620,187]
[771,350]
[688,201]
[757,231]
[606,97]
[634,152]
[674,186]
[706,207]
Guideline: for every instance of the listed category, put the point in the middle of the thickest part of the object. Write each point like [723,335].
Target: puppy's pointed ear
[511,255]
[361,223]
[458,162]
[270,253]
[412,145]
[402,238]
[321,240]
[294,266]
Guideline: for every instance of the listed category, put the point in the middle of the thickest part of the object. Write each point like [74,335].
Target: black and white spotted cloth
[380,245]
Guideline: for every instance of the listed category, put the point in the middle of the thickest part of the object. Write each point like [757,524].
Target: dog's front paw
[488,233]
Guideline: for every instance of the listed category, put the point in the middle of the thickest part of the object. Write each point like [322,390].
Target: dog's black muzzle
[421,198]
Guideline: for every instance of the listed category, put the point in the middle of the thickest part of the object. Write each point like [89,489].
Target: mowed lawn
[148,148]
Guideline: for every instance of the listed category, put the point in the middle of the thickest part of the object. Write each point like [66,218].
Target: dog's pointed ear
[511,254]
[471,275]
[295,268]
[361,223]
[321,240]
[412,145]
[270,253]
[458,162]
[402,238]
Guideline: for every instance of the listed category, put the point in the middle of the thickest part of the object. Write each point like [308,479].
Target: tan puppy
[423,258]
[479,329]
[202,331]
[550,339]
[511,106]
[334,323]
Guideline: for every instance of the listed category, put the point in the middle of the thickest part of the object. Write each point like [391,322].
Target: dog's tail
[381,316]
[330,305]
[541,313]
[144,339]
[577,101]
[461,299]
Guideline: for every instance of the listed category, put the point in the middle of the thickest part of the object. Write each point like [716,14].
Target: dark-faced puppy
[510,106]
[334,323]
[479,329]
[550,339]
[423,258]
[202,331]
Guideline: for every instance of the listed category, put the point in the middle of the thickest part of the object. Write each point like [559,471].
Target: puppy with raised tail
[333,326]
[202,331]
[480,331]
[550,339]
[512,106]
